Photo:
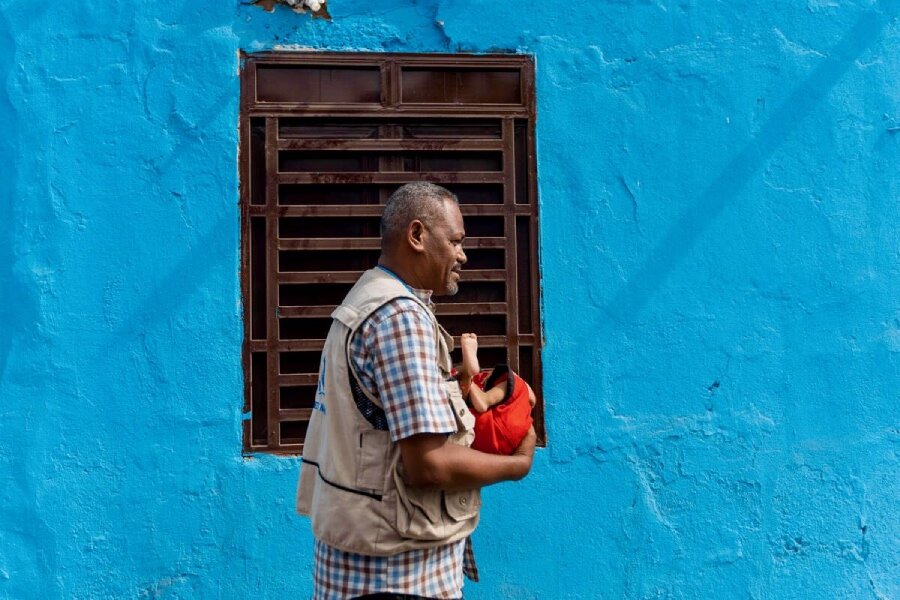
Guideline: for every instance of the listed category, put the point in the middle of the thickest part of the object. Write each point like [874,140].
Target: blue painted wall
[719,200]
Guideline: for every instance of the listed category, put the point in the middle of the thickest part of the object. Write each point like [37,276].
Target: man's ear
[415,235]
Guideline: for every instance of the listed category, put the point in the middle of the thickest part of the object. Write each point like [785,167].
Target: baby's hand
[468,343]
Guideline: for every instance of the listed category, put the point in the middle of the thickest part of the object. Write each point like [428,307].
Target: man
[387,477]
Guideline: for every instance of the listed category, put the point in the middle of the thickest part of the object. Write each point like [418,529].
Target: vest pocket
[373,459]
[432,514]
[462,506]
[419,514]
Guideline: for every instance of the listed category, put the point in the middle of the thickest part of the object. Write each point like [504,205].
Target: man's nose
[461,258]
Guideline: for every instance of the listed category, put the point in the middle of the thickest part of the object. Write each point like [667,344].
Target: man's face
[443,250]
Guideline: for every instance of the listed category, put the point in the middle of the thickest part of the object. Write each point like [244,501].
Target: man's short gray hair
[418,200]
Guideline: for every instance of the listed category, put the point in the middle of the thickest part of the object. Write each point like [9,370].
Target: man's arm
[429,460]
[405,373]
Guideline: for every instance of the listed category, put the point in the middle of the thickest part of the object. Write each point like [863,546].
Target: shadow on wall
[632,298]
[14,296]
[189,274]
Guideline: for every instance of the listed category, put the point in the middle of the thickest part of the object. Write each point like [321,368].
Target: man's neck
[421,294]
[398,270]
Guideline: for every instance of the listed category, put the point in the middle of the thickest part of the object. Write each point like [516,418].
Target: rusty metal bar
[492,209]
[244,174]
[483,275]
[305,311]
[385,71]
[394,89]
[368,243]
[330,244]
[375,210]
[272,428]
[319,277]
[352,276]
[498,341]
[294,414]
[316,345]
[300,345]
[534,232]
[397,178]
[423,111]
[527,80]
[368,59]
[487,341]
[298,379]
[472,308]
[390,145]
[329,210]
[509,228]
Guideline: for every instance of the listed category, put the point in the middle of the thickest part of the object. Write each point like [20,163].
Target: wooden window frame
[266,100]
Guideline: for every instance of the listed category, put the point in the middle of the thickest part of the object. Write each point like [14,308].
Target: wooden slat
[509,199]
[284,450]
[334,210]
[433,59]
[486,341]
[298,379]
[424,111]
[299,345]
[471,308]
[483,275]
[352,276]
[294,414]
[319,277]
[329,244]
[271,281]
[390,145]
[246,280]
[396,178]
[370,243]
[294,312]
[375,210]
[446,308]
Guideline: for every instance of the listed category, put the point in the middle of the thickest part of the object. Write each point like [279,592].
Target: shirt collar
[423,295]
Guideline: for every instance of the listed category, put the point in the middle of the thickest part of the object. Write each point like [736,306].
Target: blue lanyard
[395,276]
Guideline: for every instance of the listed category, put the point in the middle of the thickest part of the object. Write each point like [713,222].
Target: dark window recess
[460,86]
[325,139]
[317,84]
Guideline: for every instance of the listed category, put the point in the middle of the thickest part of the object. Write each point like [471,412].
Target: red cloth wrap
[501,428]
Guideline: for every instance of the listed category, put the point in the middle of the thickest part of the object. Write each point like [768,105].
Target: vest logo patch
[320,388]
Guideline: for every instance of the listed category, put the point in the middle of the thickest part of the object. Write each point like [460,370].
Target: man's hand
[526,447]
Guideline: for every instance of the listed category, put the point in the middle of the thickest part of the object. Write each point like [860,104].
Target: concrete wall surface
[721,299]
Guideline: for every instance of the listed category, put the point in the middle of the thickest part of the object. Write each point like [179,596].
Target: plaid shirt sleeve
[400,365]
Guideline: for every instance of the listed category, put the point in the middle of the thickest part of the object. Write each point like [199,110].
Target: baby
[500,400]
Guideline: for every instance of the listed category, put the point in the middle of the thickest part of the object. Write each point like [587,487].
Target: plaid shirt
[394,354]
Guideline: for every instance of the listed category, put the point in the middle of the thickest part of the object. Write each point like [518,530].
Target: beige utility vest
[351,481]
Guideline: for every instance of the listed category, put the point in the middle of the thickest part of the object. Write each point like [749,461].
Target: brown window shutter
[325,139]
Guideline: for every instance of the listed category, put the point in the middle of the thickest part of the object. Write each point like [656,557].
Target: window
[325,139]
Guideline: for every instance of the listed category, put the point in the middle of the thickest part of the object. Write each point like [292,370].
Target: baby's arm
[469,367]
[481,400]
[468,343]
